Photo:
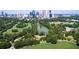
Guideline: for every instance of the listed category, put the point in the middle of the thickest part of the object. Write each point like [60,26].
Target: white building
[69,29]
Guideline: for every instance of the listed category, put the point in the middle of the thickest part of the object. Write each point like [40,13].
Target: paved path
[12,47]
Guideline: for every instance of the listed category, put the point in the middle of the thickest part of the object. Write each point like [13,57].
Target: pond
[41,29]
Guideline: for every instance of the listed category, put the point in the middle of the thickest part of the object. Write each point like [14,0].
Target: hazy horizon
[53,11]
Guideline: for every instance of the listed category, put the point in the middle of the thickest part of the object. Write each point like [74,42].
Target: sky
[66,11]
[53,11]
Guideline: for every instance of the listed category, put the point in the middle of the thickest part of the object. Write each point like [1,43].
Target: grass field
[59,45]
[61,22]
[9,31]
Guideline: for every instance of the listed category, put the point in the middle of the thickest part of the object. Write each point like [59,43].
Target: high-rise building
[37,14]
[33,13]
[6,14]
[2,14]
[50,14]
[44,13]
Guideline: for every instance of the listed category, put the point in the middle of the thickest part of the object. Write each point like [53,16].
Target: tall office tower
[33,13]
[6,14]
[37,14]
[44,13]
[19,14]
[2,14]
[50,14]
[30,14]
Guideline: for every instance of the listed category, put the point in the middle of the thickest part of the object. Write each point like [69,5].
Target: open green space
[38,34]
[9,31]
[58,22]
[59,45]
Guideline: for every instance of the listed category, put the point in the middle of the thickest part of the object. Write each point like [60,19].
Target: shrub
[14,30]
[35,42]
[64,38]
[43,38]
[69,38]
[54,41]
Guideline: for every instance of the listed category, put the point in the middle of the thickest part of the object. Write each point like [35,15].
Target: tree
[76,37]
[77,41]
[28,36]
[25,42]
[5,45]
[19,44]
[21,25]
[35,42]
[7,36]
[52,38]
[45,23]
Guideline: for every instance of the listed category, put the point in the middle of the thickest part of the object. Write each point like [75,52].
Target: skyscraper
[44,13]
[2,13]
[37,14]
[6,14]
[33,13]
[50,14]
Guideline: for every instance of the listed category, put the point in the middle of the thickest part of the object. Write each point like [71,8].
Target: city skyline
[28,11]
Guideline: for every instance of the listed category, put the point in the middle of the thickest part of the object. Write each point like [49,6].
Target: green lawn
[59,45]
[58,22]
[9,31]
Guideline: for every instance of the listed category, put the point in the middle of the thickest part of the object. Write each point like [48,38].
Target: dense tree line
[45,23]
[75,25]
[6,23]
[21,25]
[76,37]
[55,33]
[26,42]
[5,45]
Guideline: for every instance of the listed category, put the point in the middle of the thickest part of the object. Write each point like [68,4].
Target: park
[38,34]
